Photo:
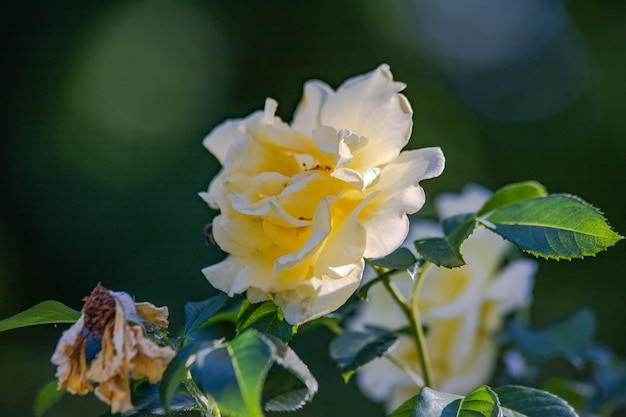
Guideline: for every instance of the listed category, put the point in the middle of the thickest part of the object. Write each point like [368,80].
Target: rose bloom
[463,308]
[302,204]
[113,325]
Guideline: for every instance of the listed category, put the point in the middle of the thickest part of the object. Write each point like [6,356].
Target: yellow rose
[302,204]
[462,308]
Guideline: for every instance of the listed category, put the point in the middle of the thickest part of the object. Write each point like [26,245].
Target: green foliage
[570,337]
[146,402]
[556,226]
[232,374]
[508,401]
[401,258]
[198,313]
[353,349]
[429,403]
[46,312]
[47,396]
[176,371]
[265,317]
[289,383]
[520,401]
[446,251]
[480,402]
[243,375]
[510,194]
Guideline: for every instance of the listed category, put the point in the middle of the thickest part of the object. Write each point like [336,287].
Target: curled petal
[223,137]
[381,115]
[318,296]
[307,115]
[116,392]
[157,316]
[235,275]
[397,192]
[69,356]
[150,360]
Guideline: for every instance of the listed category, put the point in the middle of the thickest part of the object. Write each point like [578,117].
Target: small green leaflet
[510,194]
[353,349]
[480,402]
[524,401]
[47,396]
[197,313]
[570,337]
[556,226]
[46,312]
[446,251]
[401,258]
[265,317]
[508,401]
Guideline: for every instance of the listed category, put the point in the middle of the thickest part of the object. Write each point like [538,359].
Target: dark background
[105,104]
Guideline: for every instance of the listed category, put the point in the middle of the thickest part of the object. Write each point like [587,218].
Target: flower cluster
[108,345]
[302,204]
[462,309]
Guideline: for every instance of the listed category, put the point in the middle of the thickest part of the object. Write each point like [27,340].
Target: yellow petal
[69,356]
[150,359]
[157,316]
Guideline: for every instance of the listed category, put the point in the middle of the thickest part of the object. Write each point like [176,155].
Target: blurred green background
[105,104]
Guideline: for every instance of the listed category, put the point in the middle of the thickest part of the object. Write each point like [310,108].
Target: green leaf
[47,396]
[289,383]
[47,312]
[176,372]
[146,401]
[556,226]
[512,193]
[446,251]
[518,401]
[233,375]
[353,349]
[482,401]
[514,401]
[570,337]
[429,403]
[197,313]
[267,318]
[400,259]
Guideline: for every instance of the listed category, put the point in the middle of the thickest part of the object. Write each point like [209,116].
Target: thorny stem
[209,408]
[411,311]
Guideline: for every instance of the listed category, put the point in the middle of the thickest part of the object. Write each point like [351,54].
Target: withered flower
[108,345]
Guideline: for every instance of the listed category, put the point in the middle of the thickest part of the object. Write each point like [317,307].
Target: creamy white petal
[235,275]
[513,285]
[342,249]
[318,296]
[448,293]
[238,234]
[320,230]
[307,115]
[484,251]
[397,192]
[475,371]
[219,141]
[371,106]
[470,200]
[269,209]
